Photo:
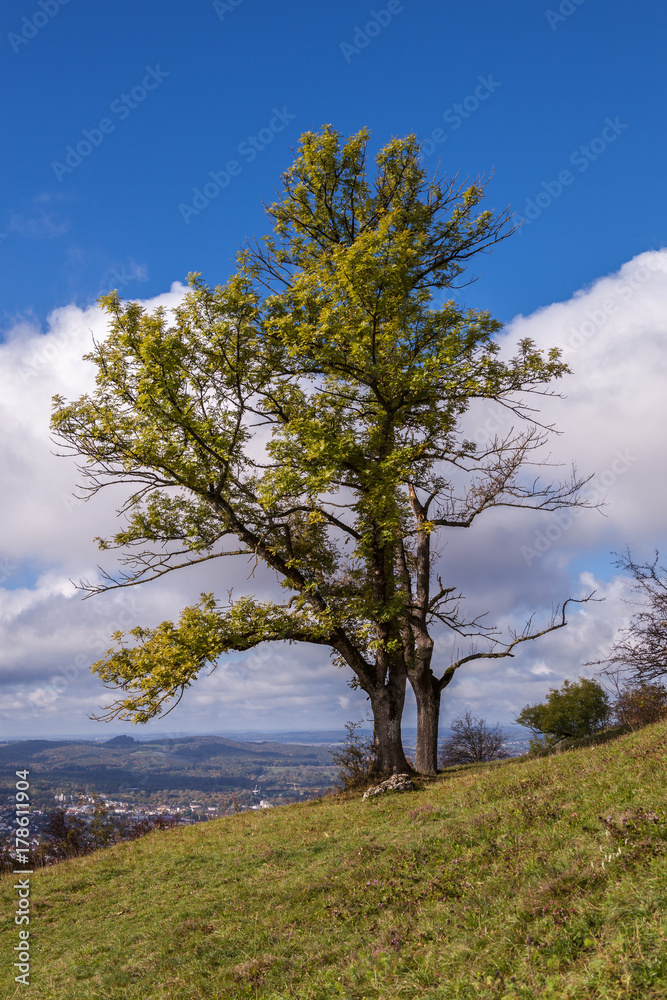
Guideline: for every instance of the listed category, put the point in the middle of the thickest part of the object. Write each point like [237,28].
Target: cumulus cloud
[511,563]
[47,525]
[614,338]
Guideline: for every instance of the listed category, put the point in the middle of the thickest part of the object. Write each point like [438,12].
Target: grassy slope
[532,878]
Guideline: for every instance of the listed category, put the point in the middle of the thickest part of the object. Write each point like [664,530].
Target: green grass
[530,878]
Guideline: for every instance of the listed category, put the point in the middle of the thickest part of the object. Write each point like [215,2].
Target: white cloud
[47,525]
[541,670]
[44,226]
[614,337]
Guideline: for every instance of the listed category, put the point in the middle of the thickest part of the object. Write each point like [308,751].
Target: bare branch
[639,651]
[526,636]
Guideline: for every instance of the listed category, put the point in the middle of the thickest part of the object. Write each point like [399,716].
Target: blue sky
[555,82]
[117,115]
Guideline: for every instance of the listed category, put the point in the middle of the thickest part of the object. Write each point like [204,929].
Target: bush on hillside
[639,704]
[356,759]
[70,836]
[571,712]
[66,835]
[472,741]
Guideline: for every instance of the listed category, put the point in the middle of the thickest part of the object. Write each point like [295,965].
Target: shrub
[69,836]
[472,741]
[66,835]
[639,704]
[576,710]
[356,759]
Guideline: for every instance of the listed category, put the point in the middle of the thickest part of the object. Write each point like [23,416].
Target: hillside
[524,879]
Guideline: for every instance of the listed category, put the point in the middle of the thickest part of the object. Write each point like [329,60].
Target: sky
[141,144]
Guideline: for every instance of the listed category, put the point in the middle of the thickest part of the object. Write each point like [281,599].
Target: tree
[576,710]
[472,741]
[640,650]
[639,703]
[310,404]
[67,835]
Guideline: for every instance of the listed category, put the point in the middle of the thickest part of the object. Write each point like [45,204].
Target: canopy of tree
[306,414]
[574,710]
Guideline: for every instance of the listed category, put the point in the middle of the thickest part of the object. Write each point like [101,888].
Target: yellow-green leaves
[286,415]
[162,662]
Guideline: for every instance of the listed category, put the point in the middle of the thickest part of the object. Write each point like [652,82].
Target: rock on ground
[397,783]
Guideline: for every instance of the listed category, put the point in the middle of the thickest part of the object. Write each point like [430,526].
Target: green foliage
[576,710]
[167,659]
[69,835]
[329,340]
[66,835]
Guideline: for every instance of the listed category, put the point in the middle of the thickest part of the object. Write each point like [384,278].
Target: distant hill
[22,750]
[187,765]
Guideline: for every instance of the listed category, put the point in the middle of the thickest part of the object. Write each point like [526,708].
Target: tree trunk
[427,695]
[387,704]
